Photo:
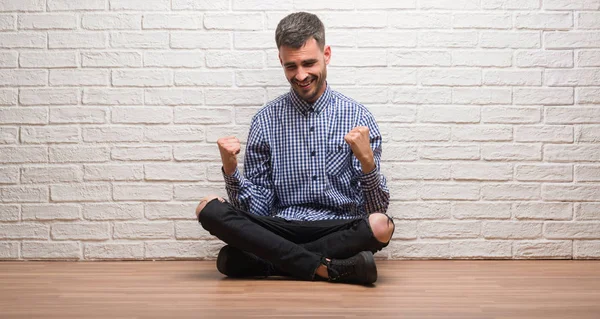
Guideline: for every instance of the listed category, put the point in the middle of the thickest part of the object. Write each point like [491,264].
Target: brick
[142,153]
[448,114]
[572,115]
[361,58]
[139,192]
[174,134]
[510,192]
[262,5]
[48,96]
[14,194]
[496,58]
[204,78]
[480,210]
[556,134]
[47,22]
[113,134]
[155,230]
[460,229]
[9,175]
[482,133]
[174,59]
[51,174]
[571,153]
[587,95]
[137,5]
[22,5]
[23,231]
[201,40]
[174,172]
[76,40]
[570,192]
[235,59]
[483,171]
[379,39]
[119,172]
[544,21]
[111,59]
[75,154]
[448,39]
[583,249]
[51,212]
[201,152]
[400,153]
[111,21]
[481,95]
[462,191]
[9,250]
[202,115]
[23,77]
[208,5]
[140,40]
[510,114]
[216,132]
[509,39]
[145,114]
[421,133]
[350,20]
[80,193]
[315,5]
[510,77]
[588,58]
[187,250]
[419,210]
[511,152]
[71,5]
[422,95]
[510,4]
[547,96]
[543,173]
[572,230]
[113,211]
[235,96]
[192,230]
[172,21]
[385,4]
[482,21]
[544,211]
[419,58]
[256,40]
[23,154]
[588,133]
[51,250]
[8,135]
[113,96]
[399,114]
[572,39]
[196,192]
[580,77]
[7,22]
[571,4]
[543,250]
[419,20]
[587,173]
[268,77]
[587,211]
[174,97]
[418,172]
[86,115]
[80,231]
[453,77]
[511,230]
[172,211]
[366,94]
[480,249]
[142,78]
[8,97]
[79,77]
[9,60]
[418,250]
[22,40]
[233,21]
[549,59]
[53,134]
[448,4]
[113,251]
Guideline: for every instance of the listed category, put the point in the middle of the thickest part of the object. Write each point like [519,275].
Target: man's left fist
[359,141]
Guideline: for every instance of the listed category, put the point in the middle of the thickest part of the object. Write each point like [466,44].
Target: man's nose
[301,75]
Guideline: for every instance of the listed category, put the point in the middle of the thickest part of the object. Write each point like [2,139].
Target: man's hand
[205,201]
[359,141]
[229,147]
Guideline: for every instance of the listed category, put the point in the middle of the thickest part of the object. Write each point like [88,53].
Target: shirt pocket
[339,158]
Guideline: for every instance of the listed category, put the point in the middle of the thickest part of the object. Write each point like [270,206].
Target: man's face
[306,68]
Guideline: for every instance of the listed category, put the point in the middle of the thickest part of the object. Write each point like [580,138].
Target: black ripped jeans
[294,247]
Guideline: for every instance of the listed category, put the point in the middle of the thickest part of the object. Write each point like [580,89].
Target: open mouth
[305,84]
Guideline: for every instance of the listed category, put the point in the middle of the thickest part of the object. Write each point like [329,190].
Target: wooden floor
[405,289]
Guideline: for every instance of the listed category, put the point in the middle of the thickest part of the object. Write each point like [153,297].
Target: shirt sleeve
[376,194]
[253,192]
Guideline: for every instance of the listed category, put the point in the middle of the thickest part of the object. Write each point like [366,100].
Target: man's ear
[280,61]
[327,54]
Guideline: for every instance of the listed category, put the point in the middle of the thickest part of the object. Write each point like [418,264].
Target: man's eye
[290,67]
[309,64]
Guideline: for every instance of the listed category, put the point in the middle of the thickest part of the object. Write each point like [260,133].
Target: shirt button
[313,153]
[314,178]
[312,128]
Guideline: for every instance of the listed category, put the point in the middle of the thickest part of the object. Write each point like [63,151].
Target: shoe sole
[369,267]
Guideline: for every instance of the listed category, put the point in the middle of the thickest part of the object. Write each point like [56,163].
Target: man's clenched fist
[359,141]
[229,147]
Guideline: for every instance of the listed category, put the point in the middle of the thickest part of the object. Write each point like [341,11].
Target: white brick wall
[110,110]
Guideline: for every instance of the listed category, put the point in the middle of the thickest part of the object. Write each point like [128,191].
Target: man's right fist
[229,147]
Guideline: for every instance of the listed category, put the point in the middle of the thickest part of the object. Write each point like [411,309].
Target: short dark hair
[297,28]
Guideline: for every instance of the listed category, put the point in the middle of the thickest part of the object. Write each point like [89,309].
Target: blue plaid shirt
[297,165]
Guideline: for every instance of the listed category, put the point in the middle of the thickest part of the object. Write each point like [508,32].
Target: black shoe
[358,269]
[233,262]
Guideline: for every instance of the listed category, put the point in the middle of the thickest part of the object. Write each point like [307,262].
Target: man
[312,201]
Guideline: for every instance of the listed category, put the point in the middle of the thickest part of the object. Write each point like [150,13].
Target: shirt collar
[305,107]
